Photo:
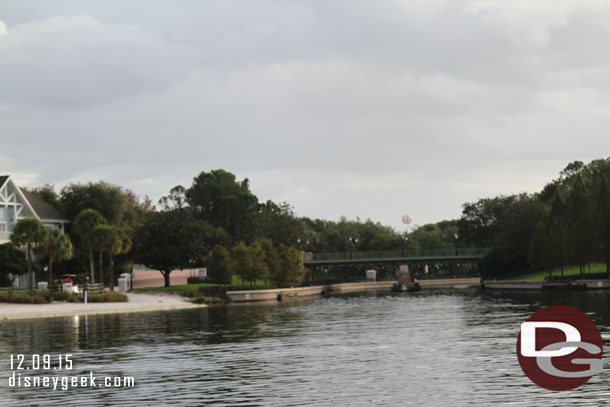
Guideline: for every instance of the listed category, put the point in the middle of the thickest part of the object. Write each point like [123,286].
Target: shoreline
[136,303]
[163,301]
[280,294]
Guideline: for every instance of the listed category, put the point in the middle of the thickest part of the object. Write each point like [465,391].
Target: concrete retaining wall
[284,293]
[449,282]
[513,285]
[596,284]
[274,294]
[540,285]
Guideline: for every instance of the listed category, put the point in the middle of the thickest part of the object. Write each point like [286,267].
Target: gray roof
[43,209]
[3,179]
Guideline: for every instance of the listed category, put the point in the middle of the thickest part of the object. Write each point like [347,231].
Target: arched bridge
[395,257]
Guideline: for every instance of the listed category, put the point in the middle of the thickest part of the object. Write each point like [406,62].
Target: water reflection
[444,347]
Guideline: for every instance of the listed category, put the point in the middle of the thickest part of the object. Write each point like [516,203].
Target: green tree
[544,247]
[84,227]
[109,200]
[346,235]
[375,236]
[12,262]
[47,193]
[56,248]
[175,200]
[220,265]
[572,169]
[28,233]
[558,226]
[291,264]
[126,240]
[603,222]
[271,258]
[121,247]
[279,223]
[430,237]
[580,224]
[219,199]
[259,268]
[506,224]
[242,261]
[106,239]
[171,240]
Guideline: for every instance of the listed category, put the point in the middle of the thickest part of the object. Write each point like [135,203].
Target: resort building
[16,203]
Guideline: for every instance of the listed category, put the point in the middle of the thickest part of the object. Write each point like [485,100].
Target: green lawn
[194,288]
[567,271]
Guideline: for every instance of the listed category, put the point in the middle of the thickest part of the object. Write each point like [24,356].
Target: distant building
[16,203]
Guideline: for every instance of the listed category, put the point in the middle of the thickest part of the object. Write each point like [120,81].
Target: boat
[407,287]
[405,281]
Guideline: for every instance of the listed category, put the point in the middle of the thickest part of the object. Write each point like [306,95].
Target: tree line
[567,223]
[260,260]
[110,229]
[218,222]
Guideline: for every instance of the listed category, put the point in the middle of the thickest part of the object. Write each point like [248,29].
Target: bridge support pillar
[403,275]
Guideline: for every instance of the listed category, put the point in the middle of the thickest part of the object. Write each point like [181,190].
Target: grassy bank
[195,290]
[596,268]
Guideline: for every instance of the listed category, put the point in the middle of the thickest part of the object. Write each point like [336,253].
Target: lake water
[437,348]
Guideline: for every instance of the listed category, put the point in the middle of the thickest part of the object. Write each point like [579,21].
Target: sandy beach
[137,303]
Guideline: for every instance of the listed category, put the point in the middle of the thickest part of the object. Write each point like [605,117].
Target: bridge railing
[409,253]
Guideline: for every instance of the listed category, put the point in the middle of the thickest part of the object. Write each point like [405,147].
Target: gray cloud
[336,107]
[75,61]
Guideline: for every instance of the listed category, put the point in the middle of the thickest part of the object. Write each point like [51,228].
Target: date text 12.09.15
[41,362]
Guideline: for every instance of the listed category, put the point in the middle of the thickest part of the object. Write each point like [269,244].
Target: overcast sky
[355,108]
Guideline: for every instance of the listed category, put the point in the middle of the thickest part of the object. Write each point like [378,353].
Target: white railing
[5,237]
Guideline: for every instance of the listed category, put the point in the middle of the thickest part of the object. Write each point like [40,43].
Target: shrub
[208,300]
[108,296]
[215,291]
[20,297]
[39,299]
[220,265]
[24,297]
[189,294]
[63,296]
[59,295]
[288,284]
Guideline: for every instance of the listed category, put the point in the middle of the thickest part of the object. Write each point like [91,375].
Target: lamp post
[354,241]
[456,253]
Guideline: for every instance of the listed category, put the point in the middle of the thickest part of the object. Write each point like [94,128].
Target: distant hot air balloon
[407,219]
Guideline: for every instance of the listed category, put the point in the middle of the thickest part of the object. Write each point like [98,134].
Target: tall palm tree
[84,225]
[123,246]
[106,239]
[126,235]
[56,247]
[29,232]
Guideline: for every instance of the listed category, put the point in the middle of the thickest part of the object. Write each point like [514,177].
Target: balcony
[5,237]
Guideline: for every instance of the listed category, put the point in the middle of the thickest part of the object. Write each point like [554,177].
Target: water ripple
[438,348]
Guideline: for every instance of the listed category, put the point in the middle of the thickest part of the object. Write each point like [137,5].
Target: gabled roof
[43,209]
[3,179]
